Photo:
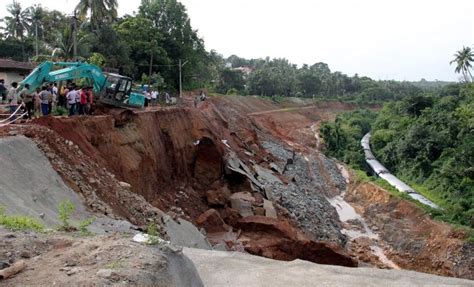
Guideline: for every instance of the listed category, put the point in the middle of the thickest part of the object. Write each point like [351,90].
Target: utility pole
[149,71]
[180,77]
[74,37]
[152,47]
[36,38]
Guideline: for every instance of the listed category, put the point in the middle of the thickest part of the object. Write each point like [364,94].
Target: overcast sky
[403,40]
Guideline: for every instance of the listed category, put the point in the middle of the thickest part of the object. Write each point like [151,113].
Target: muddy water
[348,214]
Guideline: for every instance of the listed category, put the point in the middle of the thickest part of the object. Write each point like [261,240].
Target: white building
[13,71]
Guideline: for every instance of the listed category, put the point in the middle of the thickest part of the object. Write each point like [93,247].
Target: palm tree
[17,23]
[35,15]
[100,11]
[463,60]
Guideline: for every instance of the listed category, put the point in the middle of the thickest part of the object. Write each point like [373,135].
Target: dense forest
[148,46]
[425,139]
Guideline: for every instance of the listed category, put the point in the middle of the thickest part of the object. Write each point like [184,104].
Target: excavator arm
[74,70]
[113,89]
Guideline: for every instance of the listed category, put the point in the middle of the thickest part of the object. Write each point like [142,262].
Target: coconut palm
[17,23]
[463,60]
[99,11]
[34,16]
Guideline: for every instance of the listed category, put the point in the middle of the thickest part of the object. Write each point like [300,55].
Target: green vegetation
[84,224]
[463,60]
[152,231]
[271,77]
[19,222]
[425,139]
[65,210]
[429,142]
[60,111]
[342,137]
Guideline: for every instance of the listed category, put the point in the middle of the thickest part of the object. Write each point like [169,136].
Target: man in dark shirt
[3,91]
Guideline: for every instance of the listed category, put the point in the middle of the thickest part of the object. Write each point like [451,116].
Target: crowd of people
[41,102]
[152,96]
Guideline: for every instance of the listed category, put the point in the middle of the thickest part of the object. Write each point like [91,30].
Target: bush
[60,111]
[84,224]
[19,222]
[65,210]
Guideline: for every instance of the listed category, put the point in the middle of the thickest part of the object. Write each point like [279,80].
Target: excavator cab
[118,89]
[118,92]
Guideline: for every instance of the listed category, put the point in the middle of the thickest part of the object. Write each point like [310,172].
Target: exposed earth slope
[247,172]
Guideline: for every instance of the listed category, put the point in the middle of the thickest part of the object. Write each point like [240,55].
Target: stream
[348,214]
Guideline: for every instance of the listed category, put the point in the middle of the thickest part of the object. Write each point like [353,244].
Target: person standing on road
[62,96]
[66,91]
[27,99]
[78,98]
[50,97]
[83,101]
[154,97]
[54,92]
[90,100]
[44,96]
[71,100]
[13,99]
[3,91]
[37,102]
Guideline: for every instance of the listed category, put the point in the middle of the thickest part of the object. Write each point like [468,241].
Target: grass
[363,177]
[20,222]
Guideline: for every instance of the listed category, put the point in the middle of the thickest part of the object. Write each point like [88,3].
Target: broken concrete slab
[217,268]
[184,233]
[266,176]
[233,163]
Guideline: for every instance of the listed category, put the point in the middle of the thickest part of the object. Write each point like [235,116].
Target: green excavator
[109,89]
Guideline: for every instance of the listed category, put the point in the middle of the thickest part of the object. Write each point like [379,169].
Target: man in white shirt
[154,96]
[54,91]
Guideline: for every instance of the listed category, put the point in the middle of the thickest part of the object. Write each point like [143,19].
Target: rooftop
[11,64]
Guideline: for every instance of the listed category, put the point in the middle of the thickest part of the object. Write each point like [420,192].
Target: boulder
[211,221]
